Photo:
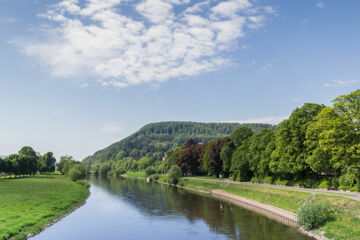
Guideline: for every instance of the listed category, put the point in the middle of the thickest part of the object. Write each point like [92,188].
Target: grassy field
[346,222]
[29,204]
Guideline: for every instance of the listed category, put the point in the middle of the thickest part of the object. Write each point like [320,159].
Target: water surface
[133,209]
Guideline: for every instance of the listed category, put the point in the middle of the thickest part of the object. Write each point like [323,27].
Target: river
[133,209]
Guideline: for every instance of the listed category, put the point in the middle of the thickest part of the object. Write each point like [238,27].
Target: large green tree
[289,157]
[240,134]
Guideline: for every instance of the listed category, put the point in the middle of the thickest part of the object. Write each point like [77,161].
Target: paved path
[351,195]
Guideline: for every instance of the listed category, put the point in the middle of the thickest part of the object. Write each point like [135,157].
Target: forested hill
[162,136]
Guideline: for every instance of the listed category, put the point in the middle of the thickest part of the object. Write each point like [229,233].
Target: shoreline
[31,235]
[286,217]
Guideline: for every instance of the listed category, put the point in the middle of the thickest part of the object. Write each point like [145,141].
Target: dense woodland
[160,137]
[317,146]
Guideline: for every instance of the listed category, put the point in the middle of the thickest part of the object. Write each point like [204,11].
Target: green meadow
[29,204]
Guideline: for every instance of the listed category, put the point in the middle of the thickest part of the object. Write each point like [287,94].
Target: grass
[346,221]
[135,174]
[29,204]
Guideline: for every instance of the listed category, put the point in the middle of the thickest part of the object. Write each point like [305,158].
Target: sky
[78,75]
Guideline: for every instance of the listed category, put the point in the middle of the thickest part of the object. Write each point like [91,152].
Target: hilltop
[162,136]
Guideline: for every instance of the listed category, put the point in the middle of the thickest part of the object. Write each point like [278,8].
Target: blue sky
[77,76]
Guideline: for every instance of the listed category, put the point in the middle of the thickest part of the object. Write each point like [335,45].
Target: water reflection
[134,209]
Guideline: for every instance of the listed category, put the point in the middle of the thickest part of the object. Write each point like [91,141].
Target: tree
[174,174]
[212,163]
[258,158]
[240,134]
[190,158]
[63,165]
[28,159]
[240,169]
[226,155]
[49,160]
[289,157]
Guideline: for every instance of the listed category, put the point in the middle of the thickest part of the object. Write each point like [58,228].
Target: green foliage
[240,169]
[83,183]
[174,175]
[75,174]
[104,169]
[225,156]
[324,184]
[240,134]
[290,153]
[149,171]
[268,180]
[160,137]
[313,214]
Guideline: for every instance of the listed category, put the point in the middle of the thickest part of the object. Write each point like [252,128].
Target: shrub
[281,182]
[119,171]
[174,174]
[149,171]
[313,214]
[82,182]
[254,180]
[155,176]
[335,183]
[324,184]
[75,174]
[268,180]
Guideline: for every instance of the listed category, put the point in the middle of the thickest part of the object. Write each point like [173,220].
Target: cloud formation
[340,83]
[128,42]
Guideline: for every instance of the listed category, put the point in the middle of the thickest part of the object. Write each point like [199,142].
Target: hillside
[162,136]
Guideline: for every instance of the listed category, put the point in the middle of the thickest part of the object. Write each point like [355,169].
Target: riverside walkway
[350,195]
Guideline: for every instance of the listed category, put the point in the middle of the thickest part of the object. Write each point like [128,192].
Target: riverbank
[29,205]
[346,212]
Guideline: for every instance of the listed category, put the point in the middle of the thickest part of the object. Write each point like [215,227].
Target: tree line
[29,162]
[317,146]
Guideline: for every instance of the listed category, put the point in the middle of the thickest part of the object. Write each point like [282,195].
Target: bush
[268,180]
[75,174]
[149,171]
[313,214]
[174,174]
[324,184]
[82,182]
[282,182]
[255,180]
[155,176]
[335,183]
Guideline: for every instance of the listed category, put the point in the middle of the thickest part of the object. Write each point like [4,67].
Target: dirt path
[350,195]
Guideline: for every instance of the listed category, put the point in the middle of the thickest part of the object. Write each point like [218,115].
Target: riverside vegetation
[316,147]
[33,196]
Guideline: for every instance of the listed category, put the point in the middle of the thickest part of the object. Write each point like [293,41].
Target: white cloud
[159,40]
[111,128]
[270,120]
[340,83]
[320,4]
